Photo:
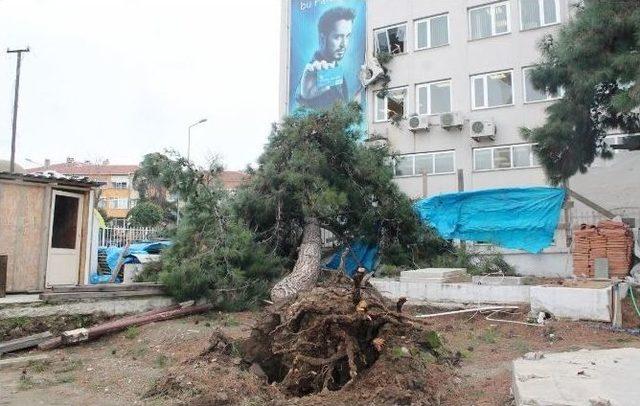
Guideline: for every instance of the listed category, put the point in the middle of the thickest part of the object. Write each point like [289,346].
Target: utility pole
[15,106]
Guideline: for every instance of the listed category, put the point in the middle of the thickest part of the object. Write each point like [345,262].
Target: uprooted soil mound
[329,346]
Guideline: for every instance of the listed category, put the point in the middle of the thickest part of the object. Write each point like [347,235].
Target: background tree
[154,178]
[146,214]
[316,173]
[595,59]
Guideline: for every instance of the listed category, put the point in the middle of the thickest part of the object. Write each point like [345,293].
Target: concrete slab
[499,280]
[433,273]
[572,303]
[592,378]
[108,306]
[11,299]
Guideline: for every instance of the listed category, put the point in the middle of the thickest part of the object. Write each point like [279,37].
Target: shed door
[63,265]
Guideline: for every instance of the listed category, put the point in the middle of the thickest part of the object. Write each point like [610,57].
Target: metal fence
[121,236]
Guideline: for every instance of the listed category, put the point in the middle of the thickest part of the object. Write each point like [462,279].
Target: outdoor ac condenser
[483,130]
[418,123]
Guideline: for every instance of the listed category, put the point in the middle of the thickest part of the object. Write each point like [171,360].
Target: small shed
[45,230]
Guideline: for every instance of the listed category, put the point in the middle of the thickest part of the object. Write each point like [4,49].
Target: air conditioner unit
[483,130]
[453,119]
[418,123]
[370,71]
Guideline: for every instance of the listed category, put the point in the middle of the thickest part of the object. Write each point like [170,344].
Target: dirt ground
[122,368]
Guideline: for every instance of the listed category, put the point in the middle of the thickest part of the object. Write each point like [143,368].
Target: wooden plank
[21,210]
[24,342]
[591,204]
[22,361]
[105,287]
[60,297]
[3,275]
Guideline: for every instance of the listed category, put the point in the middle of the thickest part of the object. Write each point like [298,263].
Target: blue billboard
[327,50]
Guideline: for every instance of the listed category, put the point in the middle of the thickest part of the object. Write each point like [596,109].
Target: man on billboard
[323,83]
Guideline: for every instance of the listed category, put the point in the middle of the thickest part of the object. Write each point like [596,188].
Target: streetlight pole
[188,160]
[189,137]
[15,106]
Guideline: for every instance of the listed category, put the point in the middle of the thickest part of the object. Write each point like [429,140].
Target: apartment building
[116,194]
[460,91]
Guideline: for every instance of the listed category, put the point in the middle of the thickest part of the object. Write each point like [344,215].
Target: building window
[504,157]
[133,203]
[122,203]
[391,39]
[490,20]
[492,90]
[390,106]
[429,163]
[433,98]
[120,182]
[531,94]
[538,13]
[432,32]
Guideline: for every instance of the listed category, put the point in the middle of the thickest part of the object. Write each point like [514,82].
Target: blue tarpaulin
[518,218]
[360,254]
[113,253]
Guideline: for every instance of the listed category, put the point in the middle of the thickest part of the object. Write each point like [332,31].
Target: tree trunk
[307,269]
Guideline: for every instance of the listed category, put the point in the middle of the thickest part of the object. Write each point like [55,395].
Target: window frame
[492,7]
[486,90]
[540,16]
[428,21]
[385,100]
[433,155]
[532,161]
[386,29]
[524,89]
[428,86]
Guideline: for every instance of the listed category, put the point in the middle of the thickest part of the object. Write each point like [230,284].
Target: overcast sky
[115,79]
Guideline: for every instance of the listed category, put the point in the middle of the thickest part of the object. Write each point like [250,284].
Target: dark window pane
[65,222]
[396,39]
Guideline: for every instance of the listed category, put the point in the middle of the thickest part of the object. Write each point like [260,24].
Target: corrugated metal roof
[51,177]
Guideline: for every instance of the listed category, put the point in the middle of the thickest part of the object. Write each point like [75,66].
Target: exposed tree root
[325,338]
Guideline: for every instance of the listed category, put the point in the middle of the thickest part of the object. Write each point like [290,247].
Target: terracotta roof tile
[87,169]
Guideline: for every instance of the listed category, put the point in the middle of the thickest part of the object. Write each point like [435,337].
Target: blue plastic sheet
[113,253]
[360,255]
[518,218]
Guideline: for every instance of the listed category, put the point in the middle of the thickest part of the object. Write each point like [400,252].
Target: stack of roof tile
[610,239]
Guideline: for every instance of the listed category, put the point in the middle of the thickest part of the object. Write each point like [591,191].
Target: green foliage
[214,254]
[132,332]
[476,264]
[146,214]
[595,60]
[384,58]
[315,166]
[150,272]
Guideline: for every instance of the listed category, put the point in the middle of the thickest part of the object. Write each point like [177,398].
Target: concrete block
[598,377]
[572,303]
[498,280]
[459,293]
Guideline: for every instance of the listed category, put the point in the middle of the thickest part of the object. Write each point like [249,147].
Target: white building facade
[461,67]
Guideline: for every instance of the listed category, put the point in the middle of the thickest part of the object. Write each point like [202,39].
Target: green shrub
[145,214]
